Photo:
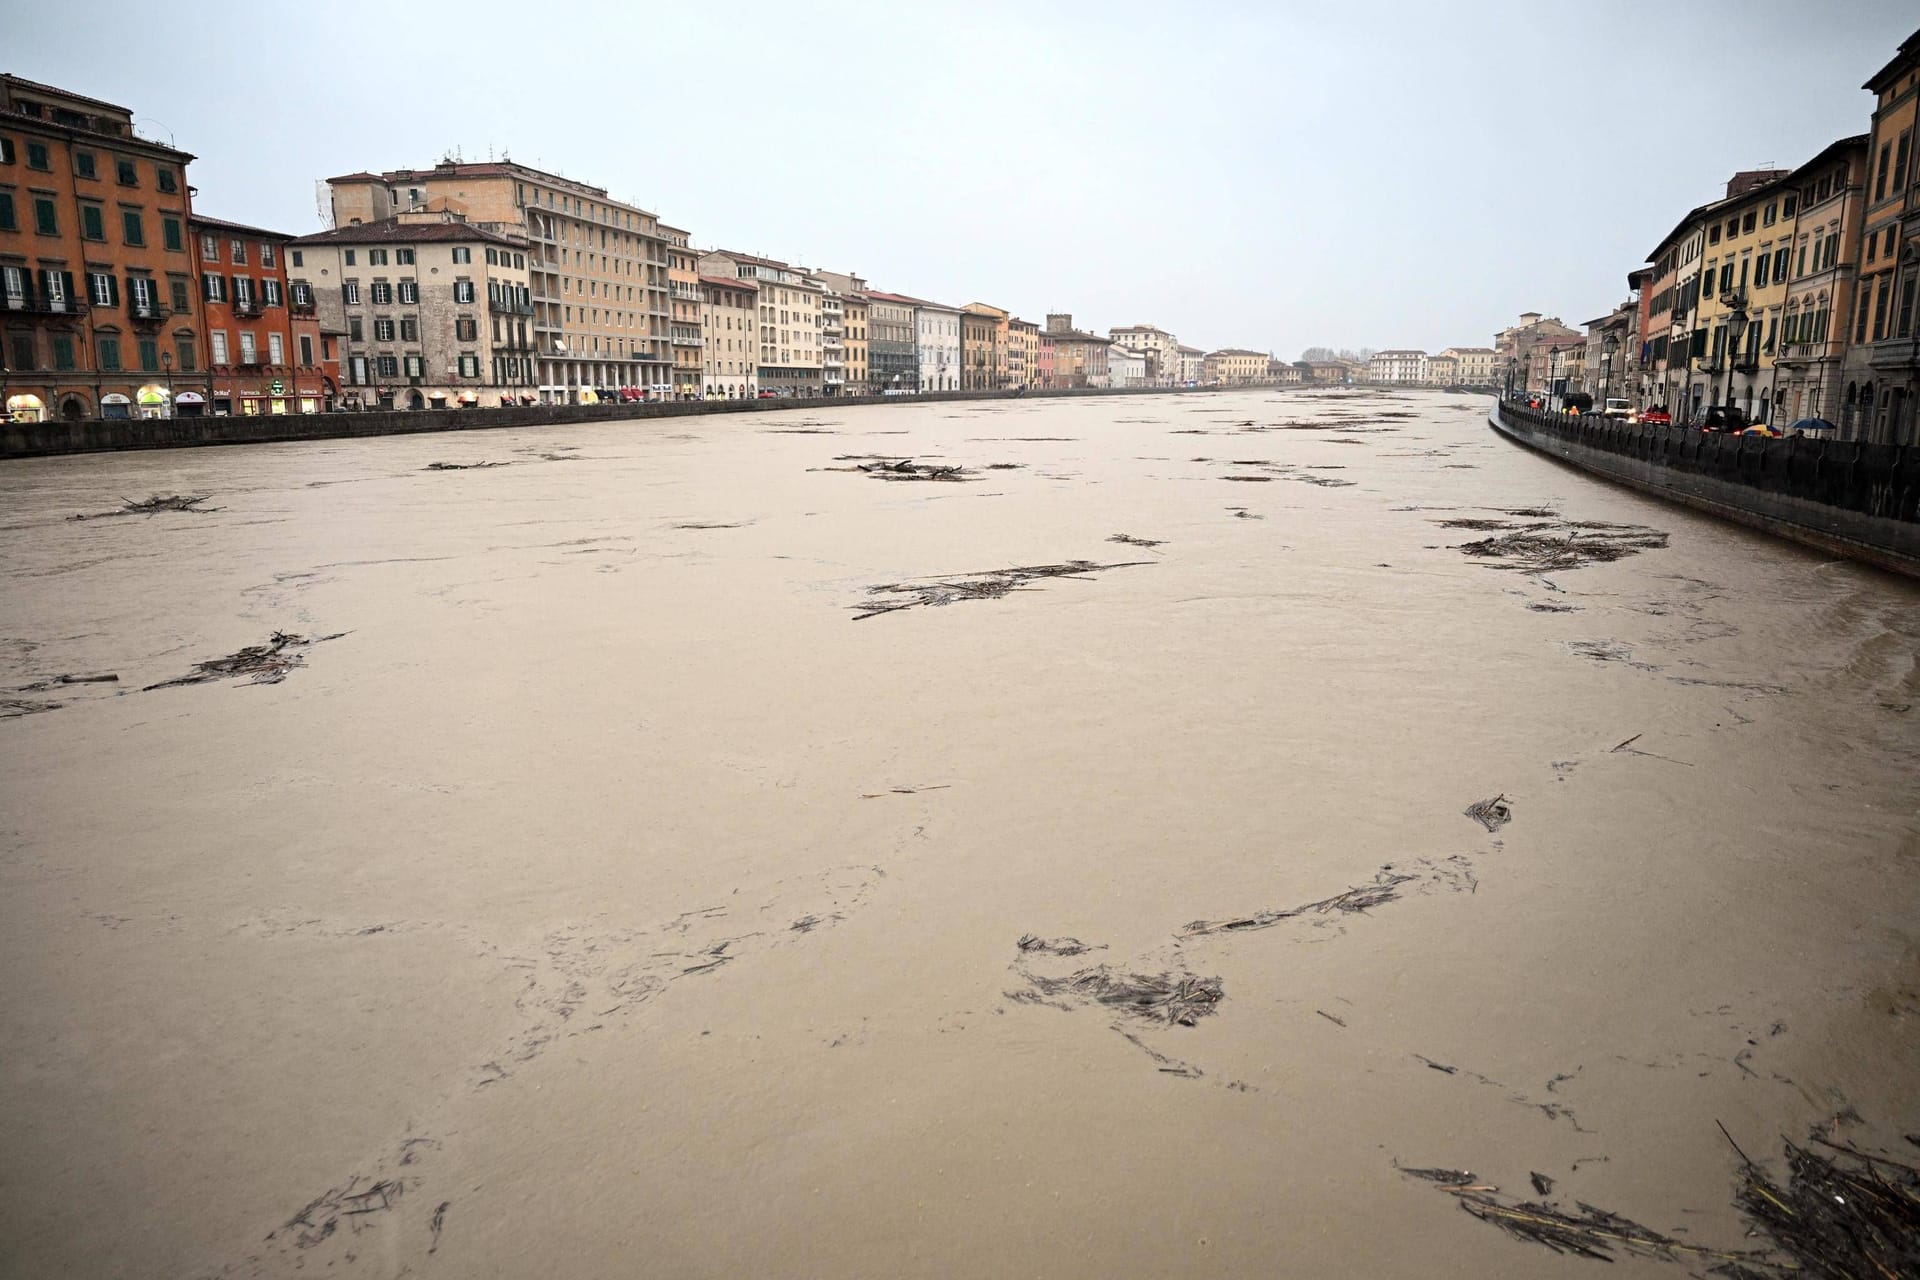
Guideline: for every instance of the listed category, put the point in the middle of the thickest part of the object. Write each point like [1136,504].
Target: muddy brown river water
[608,880]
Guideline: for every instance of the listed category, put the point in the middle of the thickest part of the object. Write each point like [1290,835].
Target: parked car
[1577,402]
[768,393]
[1724,417]
[1617,408]
[1656,417]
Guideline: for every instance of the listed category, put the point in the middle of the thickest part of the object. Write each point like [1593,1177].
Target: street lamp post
[1608,347]
[166,363]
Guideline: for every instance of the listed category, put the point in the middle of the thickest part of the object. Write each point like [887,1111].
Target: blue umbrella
[1813,424]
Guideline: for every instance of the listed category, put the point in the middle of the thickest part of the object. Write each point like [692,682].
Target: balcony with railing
[508,306]
[39,305]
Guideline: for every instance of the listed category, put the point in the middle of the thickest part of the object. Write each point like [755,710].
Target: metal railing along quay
[1881,480]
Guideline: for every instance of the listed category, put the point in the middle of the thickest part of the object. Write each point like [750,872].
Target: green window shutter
[113,291]
[66,278]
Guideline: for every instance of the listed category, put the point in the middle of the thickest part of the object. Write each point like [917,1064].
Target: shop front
[190,404]
[26,407]
[153,401]
[115,406]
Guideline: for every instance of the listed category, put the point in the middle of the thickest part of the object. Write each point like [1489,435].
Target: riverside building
[599,267]
[98,299]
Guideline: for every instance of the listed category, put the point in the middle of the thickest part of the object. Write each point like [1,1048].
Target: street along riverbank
[1849,498]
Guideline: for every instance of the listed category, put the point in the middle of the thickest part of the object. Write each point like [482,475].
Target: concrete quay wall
[48,439]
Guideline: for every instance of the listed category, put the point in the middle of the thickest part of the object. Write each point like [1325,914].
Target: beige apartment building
[1471,367]
[729,338]
[1079,359]
[983,347]
[1823,277]
[854,308]
[1236,367]
[1443,370]
[1157,345]
[791,357]
[599,266]
[1023,354]
[437,312]
[683,313]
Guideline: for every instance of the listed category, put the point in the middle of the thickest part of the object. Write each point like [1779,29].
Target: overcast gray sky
[1270,175]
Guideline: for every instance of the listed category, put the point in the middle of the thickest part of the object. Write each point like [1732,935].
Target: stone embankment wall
[44,439]
[1847,497]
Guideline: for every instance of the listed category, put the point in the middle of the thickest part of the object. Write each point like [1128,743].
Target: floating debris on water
[1383,888]
[1032,942]
[1132,541]
[991,585]
[1571,544]
[266,663]
[154,505]
[1492,814]
[463,466]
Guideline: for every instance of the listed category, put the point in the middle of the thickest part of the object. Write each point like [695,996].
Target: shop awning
[24,401]
[190,397]
[116,399]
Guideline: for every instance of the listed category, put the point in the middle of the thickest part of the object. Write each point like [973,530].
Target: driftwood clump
[891,597]
[468,466]
[1383,888]
[1857,1216]
[1167,998]
[323,1215]
[1567,544]
[1132,541]
[154,505]
[266,663]
[908,469]
[1479,523]
[1492,814]
[1032,942]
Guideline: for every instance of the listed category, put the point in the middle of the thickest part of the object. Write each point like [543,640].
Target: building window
[266,255]
[93,222]
[469,366]
[133,232]
[178,288]
[409,329]
[403,257]
[462,254]
[21,353]
[382,293]
[6,150]
[376,257]
[389,366]
[270,292]
[218,342]
[242,291]
[8,221]
[306,349]
[108,350]
[416,367]
[382,329]
[409,292]
[127,174]
[237,252]
[249,354]
[183,354]
[215,286]
[44,220]
[297,257]
[349,257]
[172,235]
[149,355]
[37,157]
[168,180]
[466,329]
[276,349]
[356,331]
[63,353]
[84,164]
[100,288]
[463,291]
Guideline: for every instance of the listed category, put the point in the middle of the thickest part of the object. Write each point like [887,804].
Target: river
[605,879]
